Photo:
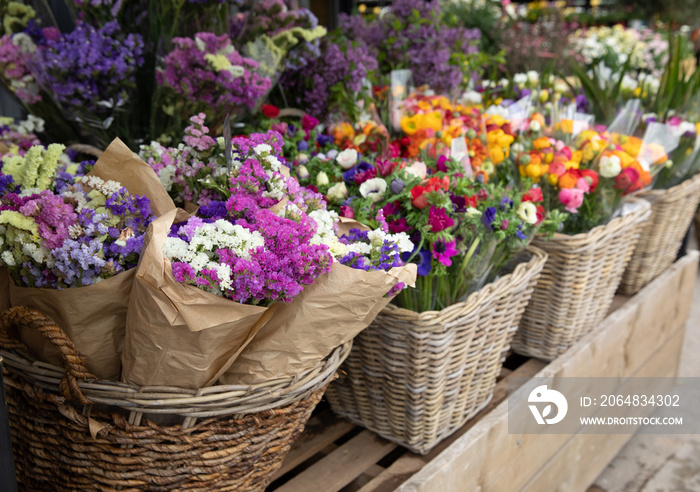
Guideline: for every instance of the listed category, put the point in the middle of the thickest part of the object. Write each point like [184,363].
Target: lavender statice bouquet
[413,36]
[332,82]
[207,74]
[72,239]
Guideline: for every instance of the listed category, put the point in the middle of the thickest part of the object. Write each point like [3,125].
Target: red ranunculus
[270,111]
[533,195]
[541,214]
[592,177]
[628,177]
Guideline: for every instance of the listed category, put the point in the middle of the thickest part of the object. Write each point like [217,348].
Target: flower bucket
[578,283]
[672,213]
[415,378]
[72,432]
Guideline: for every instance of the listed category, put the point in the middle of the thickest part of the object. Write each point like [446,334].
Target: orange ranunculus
[496,154]
[538,117]
[535,157]
[541,143]
[626,160]
[369,126]
[567,126]
[495,119]
[342,132]
[443,103]
[424,106]
[568,179]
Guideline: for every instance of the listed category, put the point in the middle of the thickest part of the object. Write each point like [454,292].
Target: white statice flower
[262,149]
[276,188]
[201,45]
[166,177]
[177,249]
[24,42]
[236,71]
[223,272]
[360,248]
[273,162]
[347,158]
[325,232]
[219,171]
[107,188]
[402,240]
[8,258]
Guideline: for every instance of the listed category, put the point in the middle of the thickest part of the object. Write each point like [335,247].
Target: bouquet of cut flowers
[462,231]
[65,239]
[255,252]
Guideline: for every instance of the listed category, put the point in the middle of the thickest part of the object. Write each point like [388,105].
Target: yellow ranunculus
[553,179]
[424,106]
[409,125]
[571,164]
[496,154]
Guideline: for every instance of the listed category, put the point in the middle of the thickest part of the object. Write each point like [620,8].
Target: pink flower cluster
[208,70]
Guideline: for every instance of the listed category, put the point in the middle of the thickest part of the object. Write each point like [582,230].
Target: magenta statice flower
[208,71]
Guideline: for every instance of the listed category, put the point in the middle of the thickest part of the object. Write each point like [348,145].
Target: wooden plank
[410,463]
[342,466]
[322,429]
[487,456]
[577,465]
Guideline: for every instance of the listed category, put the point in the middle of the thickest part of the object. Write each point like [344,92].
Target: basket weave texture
[70,432]
[415,378]
[577,284]
[672,212]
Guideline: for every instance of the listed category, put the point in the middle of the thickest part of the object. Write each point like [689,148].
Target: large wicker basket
[415,378]
[672,213]
[578,283]
[70,432]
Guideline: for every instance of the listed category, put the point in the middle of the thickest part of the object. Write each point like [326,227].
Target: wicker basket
[672,213]
[72,433]
[578,283]
[415,378]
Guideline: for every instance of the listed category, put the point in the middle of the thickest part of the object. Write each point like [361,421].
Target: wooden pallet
[642,336]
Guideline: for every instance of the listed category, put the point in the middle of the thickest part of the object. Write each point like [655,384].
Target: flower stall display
[63,240]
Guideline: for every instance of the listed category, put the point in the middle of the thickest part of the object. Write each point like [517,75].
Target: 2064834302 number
[640,401]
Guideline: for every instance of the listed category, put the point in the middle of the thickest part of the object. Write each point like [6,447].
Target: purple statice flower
[90,68]
[208,71]
[381,257]
[54,218]
[317,87]
[213,210]
[7,184]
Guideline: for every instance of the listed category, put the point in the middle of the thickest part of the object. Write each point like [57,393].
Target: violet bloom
[423,259]
[438,219]
[349,175]
[488,217]
[397,185]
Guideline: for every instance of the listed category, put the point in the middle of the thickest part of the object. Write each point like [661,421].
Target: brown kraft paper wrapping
[326,314]
[177,334]
[93,317]
[4,289]
[119,163]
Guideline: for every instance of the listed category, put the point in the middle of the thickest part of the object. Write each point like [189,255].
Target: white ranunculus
[347,158]
[533,77]
[610,166]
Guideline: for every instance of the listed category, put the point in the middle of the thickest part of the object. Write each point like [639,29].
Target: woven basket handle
[22,316]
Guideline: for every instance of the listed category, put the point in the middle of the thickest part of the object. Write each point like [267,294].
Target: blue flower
[506,202]
[396,186]
[349,175]
[302,145]
[423,259]
[488,217]
[324,140]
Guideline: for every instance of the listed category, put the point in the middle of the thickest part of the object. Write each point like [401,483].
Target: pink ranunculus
[571,198]
[567,152]
[557,168]
[583,184]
